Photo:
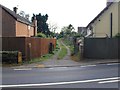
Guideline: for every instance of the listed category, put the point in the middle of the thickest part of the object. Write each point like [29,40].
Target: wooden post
[19,58]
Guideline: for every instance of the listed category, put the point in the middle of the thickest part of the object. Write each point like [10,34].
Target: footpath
[66,62]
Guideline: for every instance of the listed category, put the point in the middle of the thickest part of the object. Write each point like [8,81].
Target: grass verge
[63,51]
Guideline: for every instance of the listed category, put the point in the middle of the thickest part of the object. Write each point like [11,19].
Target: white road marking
[111,81]
[62,67]
[58,67]
[22,69]
[89,66]
[51,68]
[112,64]
[60,83]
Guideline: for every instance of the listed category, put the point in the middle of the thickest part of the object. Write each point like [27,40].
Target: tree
[22,13]
[27,16]
[68,30]
[53,27]
[70,27]
[42,26]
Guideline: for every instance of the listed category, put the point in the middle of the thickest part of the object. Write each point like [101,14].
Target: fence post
[19,58]
[29,47]
[81,52]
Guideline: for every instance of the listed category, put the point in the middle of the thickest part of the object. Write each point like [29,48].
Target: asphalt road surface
[90,76]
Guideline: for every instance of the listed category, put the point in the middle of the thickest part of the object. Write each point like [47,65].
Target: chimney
[35,26]
[15,9]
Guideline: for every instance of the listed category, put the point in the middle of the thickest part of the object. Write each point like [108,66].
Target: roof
[16,16]
[99,14]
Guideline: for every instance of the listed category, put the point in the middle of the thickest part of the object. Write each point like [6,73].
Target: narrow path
[66,61]
[67,57]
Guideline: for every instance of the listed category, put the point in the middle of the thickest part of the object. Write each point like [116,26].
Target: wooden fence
[102,48]
[31,47]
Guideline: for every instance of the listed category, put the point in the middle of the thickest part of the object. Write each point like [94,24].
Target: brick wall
[24,30]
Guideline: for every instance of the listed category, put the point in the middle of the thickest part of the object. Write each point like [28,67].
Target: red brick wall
[24,30]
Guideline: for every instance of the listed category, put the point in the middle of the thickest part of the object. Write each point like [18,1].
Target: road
[90,76]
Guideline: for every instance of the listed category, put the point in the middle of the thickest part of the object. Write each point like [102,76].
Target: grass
[76,57]
[70,45]
[43,58]
[63,51]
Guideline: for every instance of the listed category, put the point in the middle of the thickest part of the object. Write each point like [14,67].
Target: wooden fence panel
[31,47]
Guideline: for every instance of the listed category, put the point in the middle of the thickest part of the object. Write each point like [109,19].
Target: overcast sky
[60,12]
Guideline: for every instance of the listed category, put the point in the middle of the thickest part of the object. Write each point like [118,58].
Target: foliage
[61,35]
[70,45]
[76,57]
[57,45]
[43,58]
[117,35]
[23,14]
[77,36]
[41,35]
[67,31]
[52,27]
[42,26]
[9,56]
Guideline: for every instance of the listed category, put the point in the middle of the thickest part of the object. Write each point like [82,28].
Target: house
[107,22]
[13,25]
[82,31]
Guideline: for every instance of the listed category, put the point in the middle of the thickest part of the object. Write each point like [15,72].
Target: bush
[41,35]
[9,56]
[117,35]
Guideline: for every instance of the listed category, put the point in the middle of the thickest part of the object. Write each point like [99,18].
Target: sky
[61,12]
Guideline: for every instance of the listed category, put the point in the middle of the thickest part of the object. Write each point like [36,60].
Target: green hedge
[9,56]
[117,35]
[41,35]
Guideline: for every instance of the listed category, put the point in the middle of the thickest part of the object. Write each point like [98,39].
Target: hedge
[9,56]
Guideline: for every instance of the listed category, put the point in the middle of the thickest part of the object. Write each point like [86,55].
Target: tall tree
[42,26]
[53,27]
[68,30]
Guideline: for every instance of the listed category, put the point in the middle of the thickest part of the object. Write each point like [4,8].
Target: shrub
[117,35]
[41,35]
[9,56]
